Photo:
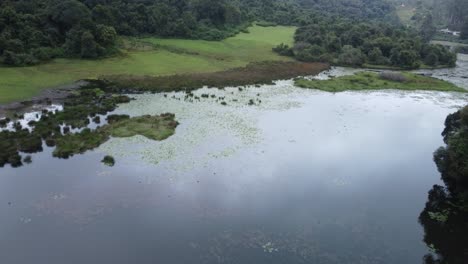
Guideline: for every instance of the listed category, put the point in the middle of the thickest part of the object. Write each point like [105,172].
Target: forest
[452,14]
[342,42]
[33,31]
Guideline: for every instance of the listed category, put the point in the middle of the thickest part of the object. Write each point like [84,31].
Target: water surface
[301,176]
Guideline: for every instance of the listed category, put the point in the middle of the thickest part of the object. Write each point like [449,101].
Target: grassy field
[174,56]
[372,81]
[405,14]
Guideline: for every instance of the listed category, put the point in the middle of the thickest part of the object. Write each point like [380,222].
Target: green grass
[405,14]
[21,83]
[372,81]
[151,127]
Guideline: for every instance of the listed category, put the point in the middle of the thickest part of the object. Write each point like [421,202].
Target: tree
[351,56]
[464,31]
[89,47]
[69,13]
[10,58]
[428,29]
[452,160]
[405,58]
[375,56]
[106,36]
[103,15]
[432,59]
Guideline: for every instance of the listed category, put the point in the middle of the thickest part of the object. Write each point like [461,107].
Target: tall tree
[428,29]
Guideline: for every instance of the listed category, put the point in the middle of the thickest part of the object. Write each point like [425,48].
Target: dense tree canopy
[32,31]
[452,160]
[444,217]
[343,42]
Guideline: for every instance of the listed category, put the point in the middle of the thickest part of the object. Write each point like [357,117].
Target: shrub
[393,76]
[109,161]
[351,56]
[21,59]
[283,50]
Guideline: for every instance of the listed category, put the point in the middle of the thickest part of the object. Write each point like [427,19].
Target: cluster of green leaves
[444,216]
[452,160]
[36,31]
[344,42]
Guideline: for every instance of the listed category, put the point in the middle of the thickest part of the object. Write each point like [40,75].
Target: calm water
[302,177]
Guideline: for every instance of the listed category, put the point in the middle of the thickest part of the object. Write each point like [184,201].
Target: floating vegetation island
[68,130]
[375,81]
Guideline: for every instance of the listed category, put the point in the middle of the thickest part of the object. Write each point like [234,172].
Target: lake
[278,175]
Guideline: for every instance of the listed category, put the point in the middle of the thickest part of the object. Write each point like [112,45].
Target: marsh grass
[373,81]
[255,73]
[76,112]
[152,127]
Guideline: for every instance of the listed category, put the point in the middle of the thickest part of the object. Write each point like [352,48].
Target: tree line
[34,31]
[346,42]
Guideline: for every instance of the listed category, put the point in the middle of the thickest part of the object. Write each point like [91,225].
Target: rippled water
[301,176]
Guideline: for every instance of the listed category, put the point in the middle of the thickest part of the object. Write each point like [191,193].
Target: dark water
[306,177]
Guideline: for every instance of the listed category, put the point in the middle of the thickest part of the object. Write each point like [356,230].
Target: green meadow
[170,56]
[405,14]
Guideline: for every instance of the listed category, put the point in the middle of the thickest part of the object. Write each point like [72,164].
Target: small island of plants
[68,130]
[378,81]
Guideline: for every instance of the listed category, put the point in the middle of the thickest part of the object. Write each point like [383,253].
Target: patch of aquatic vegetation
[209,129]
[152,127]
[67,130]
[378,81]
[263,246]
[269,247]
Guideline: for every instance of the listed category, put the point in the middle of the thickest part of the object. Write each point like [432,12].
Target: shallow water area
[278,174]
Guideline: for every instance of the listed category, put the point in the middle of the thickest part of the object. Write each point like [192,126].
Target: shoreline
[252,74]
[45,98]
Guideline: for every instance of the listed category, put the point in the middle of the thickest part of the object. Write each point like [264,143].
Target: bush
[47,53]
[21,59]
[109,161]
[376,57]
[283,50]
[405,58]
[393,76]
[432,59]
[351,56]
